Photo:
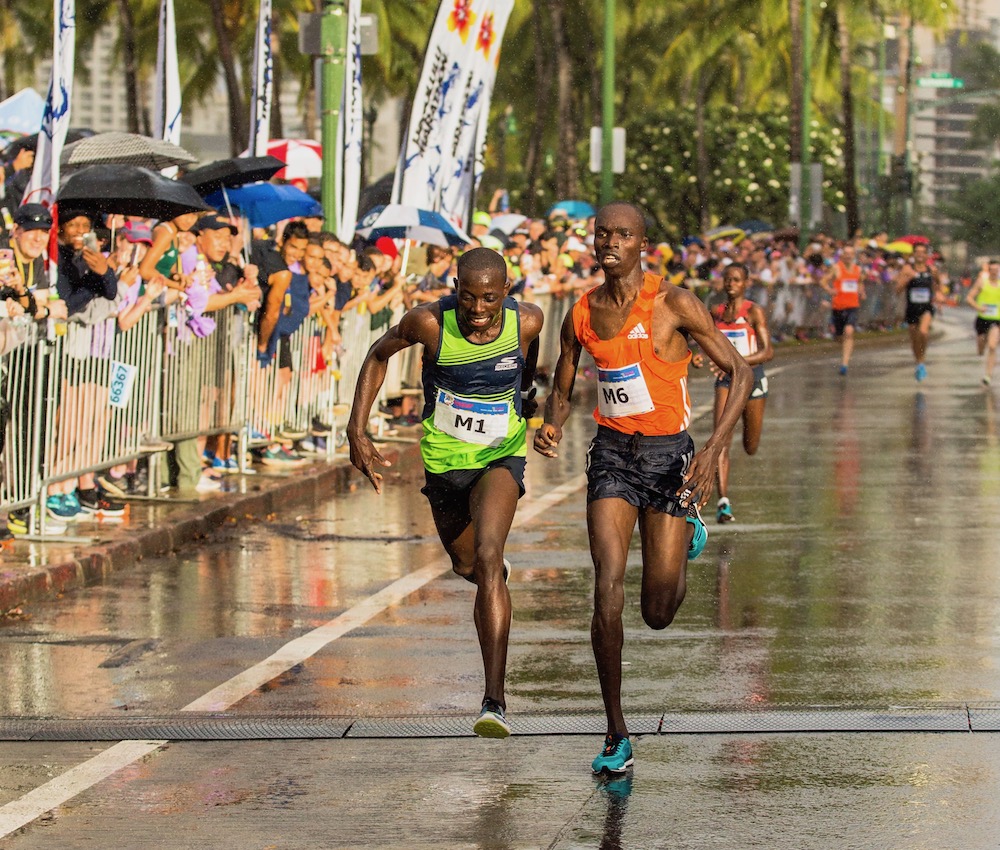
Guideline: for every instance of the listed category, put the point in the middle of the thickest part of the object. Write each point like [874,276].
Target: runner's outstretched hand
[547,438]
[364,456]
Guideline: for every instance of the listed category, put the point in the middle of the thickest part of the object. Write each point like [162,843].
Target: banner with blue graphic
[263,84]
[438,164]
[44,181]
[167,90]
[350,130]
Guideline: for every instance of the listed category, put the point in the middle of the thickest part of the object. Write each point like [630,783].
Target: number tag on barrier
[122,381]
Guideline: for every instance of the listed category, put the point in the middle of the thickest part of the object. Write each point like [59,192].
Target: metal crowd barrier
[281,401]
[21,391]
[102,396]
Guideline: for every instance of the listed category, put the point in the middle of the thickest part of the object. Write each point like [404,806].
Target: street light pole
[608,102]
[333,35]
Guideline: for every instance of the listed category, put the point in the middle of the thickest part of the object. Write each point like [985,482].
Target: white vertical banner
[44,183]
[350,130]
[450,110]
[167,91]
[469,143]
[263,84]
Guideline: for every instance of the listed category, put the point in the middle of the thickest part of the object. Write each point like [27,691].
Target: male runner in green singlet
[480,348]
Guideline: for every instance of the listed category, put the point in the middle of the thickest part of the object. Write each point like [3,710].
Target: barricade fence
[86,397]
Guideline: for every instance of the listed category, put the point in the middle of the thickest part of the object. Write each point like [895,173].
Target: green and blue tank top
[472,398]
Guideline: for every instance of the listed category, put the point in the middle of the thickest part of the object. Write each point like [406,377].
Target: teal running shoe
[724,512]
[616,757]
[920,372]
[491,722]
[700,532]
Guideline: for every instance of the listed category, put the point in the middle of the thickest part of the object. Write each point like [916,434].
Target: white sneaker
[208,484]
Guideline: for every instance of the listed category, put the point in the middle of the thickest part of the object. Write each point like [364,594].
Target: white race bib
[122,381]
[991,311]
[848,286]
[740,338]
[484,423]
[920,295]
[622,392]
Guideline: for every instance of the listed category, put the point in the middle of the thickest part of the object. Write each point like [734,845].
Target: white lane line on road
[76,780]
[57,791]
[298,650]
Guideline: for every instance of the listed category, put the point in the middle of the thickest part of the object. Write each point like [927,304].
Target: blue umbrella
[574,209]
[265,204]
[22,112]
[398,221]
[755,225]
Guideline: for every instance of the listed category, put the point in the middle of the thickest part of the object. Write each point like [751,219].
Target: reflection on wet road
[863,569]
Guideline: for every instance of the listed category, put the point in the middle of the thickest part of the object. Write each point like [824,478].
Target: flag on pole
[167,92]
[263,84]
[350,130]
[44,183]
[446,133]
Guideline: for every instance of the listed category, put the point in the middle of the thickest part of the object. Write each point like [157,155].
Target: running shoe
[616,757]
[17,524]
[319,428]
[112,486]
[491,722]
[59,509]
[73,501]
[219,465]
[94,504]
[281,457]
[208,484]
[724,512]
[700,532]
[232,465]
[842,370]
[920,372]
[307,446]
[987,380]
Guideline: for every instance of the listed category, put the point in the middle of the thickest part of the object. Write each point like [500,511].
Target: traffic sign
[936,82]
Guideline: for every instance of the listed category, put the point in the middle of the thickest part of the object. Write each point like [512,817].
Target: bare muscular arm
[420,325]
[557,406]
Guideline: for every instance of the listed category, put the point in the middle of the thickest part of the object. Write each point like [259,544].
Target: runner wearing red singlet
[641,465]
[744,324]
[844,283]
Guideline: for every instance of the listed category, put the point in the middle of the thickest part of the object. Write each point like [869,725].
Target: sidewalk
[30,571]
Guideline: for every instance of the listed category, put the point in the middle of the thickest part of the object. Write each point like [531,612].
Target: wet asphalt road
[862,570]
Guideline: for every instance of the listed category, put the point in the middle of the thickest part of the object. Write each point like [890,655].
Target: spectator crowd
[188,277]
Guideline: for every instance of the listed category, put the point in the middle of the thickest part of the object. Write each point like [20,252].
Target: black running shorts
[915,311]
[983,325]
[842,319]
[450,490]
[759,382]
[644,471]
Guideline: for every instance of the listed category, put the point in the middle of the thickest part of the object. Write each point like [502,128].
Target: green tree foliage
[976,215]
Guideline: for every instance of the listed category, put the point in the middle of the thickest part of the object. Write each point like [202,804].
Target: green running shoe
[700,532]
[491,722]
[724,512]
[616,757]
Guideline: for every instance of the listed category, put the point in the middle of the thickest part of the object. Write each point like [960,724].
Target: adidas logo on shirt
[638,332]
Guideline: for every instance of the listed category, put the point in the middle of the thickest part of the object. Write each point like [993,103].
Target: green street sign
[935,82]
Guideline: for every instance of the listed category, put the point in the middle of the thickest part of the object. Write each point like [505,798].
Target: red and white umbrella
[303,158]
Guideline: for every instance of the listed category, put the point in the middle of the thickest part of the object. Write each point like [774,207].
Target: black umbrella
[233,173]
[128,190]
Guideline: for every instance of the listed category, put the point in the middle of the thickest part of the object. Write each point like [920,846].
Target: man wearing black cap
[26,271]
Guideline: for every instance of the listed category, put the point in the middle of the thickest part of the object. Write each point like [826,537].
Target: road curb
[92,564]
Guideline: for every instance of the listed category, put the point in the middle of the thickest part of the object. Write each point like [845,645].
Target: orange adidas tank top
[637,393]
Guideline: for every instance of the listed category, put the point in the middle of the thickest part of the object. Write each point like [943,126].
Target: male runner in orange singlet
[641,465]
[843,282]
